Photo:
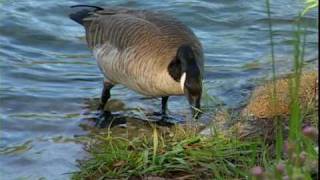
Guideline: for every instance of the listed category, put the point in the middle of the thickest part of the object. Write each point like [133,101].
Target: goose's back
[126,28]
[135,47]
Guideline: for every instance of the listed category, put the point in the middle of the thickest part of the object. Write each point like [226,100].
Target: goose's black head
[185,69]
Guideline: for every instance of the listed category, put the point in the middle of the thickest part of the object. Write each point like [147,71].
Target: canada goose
[149,52]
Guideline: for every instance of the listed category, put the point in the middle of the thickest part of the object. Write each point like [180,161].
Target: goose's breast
[139,73]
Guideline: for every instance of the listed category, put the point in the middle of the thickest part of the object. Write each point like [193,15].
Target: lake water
[48,75]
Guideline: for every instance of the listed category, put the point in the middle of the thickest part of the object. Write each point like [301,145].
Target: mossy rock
[261,105]
[258,117]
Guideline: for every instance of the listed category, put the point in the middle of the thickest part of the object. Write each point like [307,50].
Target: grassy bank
[180,154]
[288,106]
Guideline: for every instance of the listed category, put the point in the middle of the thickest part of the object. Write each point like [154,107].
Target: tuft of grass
[180,154]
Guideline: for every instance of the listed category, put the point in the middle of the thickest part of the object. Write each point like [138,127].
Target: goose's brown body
[135,48]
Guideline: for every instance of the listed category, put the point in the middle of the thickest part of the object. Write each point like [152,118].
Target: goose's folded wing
[121,28]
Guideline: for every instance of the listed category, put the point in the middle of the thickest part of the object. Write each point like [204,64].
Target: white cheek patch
[183,80]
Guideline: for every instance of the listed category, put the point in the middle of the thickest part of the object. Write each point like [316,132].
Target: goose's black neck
[185,62]
[184,69]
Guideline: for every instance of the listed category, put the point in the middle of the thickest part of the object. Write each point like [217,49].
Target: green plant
[181,154]
[278,122]
[310,5]
[300,151]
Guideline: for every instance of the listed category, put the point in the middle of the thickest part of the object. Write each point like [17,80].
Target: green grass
[179,155]
[303,151]
[277,122]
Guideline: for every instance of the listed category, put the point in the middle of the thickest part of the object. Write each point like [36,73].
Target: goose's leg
[105,95]
[163,113]
[164,104]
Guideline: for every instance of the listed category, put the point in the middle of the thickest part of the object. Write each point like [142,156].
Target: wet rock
[220,123]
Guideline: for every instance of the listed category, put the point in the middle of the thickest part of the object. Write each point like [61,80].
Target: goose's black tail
[84,12]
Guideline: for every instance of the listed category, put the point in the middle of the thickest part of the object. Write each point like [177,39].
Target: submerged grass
[178,155]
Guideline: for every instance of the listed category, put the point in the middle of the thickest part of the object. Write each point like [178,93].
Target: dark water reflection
[47,73]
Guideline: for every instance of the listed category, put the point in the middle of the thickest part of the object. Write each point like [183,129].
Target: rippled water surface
[48,75]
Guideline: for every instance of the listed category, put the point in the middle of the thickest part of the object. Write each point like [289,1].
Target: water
[48,75]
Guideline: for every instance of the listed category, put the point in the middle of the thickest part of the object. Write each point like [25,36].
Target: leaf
[310,4]
[155,144]
[119,163]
